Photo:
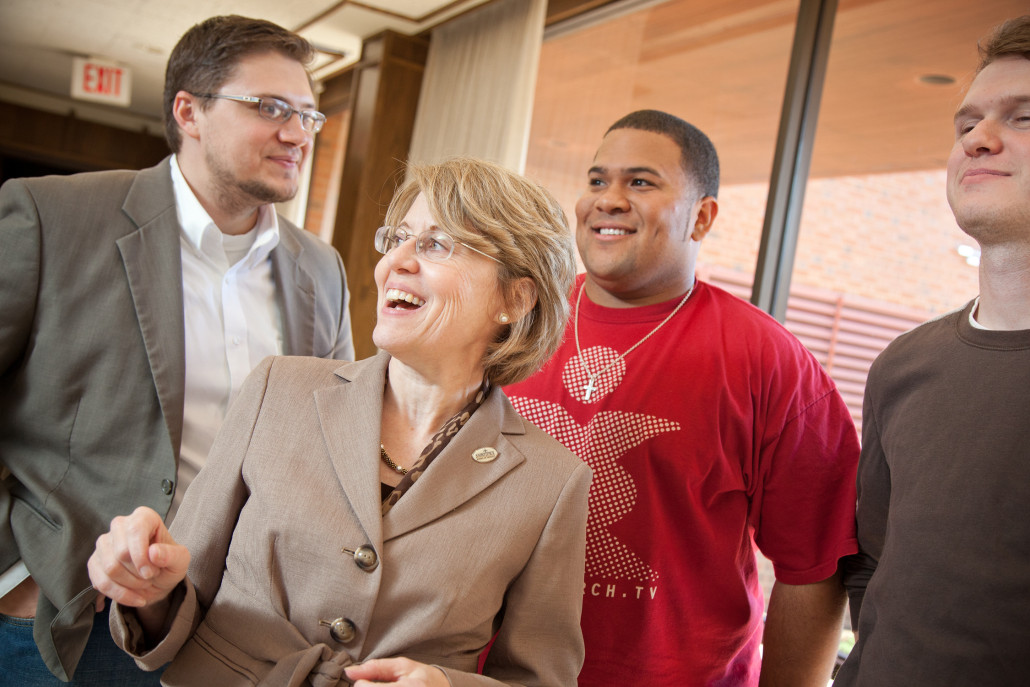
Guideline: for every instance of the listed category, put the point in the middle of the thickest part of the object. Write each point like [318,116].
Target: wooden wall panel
[385,92]
[66,142]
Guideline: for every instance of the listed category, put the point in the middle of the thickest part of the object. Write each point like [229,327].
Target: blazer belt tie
[318,664]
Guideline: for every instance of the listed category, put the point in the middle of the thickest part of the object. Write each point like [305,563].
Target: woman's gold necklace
[389,462]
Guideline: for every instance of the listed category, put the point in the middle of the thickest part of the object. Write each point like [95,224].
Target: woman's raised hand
[137,563]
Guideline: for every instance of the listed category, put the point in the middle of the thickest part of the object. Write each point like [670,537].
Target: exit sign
[101,81]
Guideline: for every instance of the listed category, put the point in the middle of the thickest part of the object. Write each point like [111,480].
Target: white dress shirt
[232,319]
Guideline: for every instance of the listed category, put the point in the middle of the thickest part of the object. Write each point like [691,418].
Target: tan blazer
[292,487]
[92,368]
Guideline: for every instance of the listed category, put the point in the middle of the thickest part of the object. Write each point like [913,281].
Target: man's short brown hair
[1010,39]
[206,57]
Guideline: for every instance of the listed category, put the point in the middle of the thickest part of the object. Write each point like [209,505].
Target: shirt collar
[196,223]
[972,315]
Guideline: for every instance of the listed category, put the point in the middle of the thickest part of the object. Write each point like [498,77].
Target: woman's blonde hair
[520,224]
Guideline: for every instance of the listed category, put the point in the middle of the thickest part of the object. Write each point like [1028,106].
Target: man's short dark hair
[697,154]
[206,57]
[1009,39]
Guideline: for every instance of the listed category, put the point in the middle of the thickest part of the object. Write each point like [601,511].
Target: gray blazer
[291,490]
[92,368]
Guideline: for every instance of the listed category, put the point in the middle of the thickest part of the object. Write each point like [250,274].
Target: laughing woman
[383,520]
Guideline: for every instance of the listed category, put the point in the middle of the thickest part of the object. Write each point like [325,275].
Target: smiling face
[989,166]
[638,220]
[436,314]
[231,155]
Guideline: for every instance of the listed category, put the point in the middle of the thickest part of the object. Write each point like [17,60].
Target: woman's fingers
[137,562]
[139,530]
[120,590]
[172,560]
[396,671]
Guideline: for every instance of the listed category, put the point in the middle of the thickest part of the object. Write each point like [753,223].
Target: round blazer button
[342,630]
[485,454]
[167,486]
[365,558]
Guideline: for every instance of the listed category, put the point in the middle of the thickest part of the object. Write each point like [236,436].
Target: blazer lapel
[295,291]
[153,266]
[454,477]
[349,414]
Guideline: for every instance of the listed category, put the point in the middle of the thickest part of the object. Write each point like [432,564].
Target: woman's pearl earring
[503,318]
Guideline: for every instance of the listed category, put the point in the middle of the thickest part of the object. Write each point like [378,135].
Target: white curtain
[477,90]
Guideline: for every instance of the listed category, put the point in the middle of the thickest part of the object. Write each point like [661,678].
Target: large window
[878,249]
[721,66]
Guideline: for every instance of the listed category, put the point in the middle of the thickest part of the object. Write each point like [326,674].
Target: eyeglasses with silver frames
[275,110]
[434,245]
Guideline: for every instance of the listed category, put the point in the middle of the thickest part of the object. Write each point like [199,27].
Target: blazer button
[167,486]
[364,557]
[342,630]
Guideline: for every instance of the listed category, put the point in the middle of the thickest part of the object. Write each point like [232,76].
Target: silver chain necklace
[589,388]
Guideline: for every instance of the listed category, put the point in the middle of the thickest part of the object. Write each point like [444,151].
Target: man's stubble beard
[994,225]
[236,195]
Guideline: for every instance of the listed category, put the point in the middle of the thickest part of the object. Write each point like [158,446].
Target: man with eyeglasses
[132,306]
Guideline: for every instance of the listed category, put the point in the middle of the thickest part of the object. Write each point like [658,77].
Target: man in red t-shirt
[710,430]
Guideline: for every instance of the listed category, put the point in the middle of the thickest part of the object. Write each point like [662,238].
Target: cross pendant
[589,388]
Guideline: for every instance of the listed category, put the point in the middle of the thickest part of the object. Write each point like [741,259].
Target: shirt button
[364,557]
[167,486]
[342,630]
[235,341]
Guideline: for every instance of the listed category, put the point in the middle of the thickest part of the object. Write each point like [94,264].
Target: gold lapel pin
[485,454]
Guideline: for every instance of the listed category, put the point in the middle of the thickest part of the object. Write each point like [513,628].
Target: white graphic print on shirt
[601,443]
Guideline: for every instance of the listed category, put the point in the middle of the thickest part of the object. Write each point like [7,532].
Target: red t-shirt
[718,432]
